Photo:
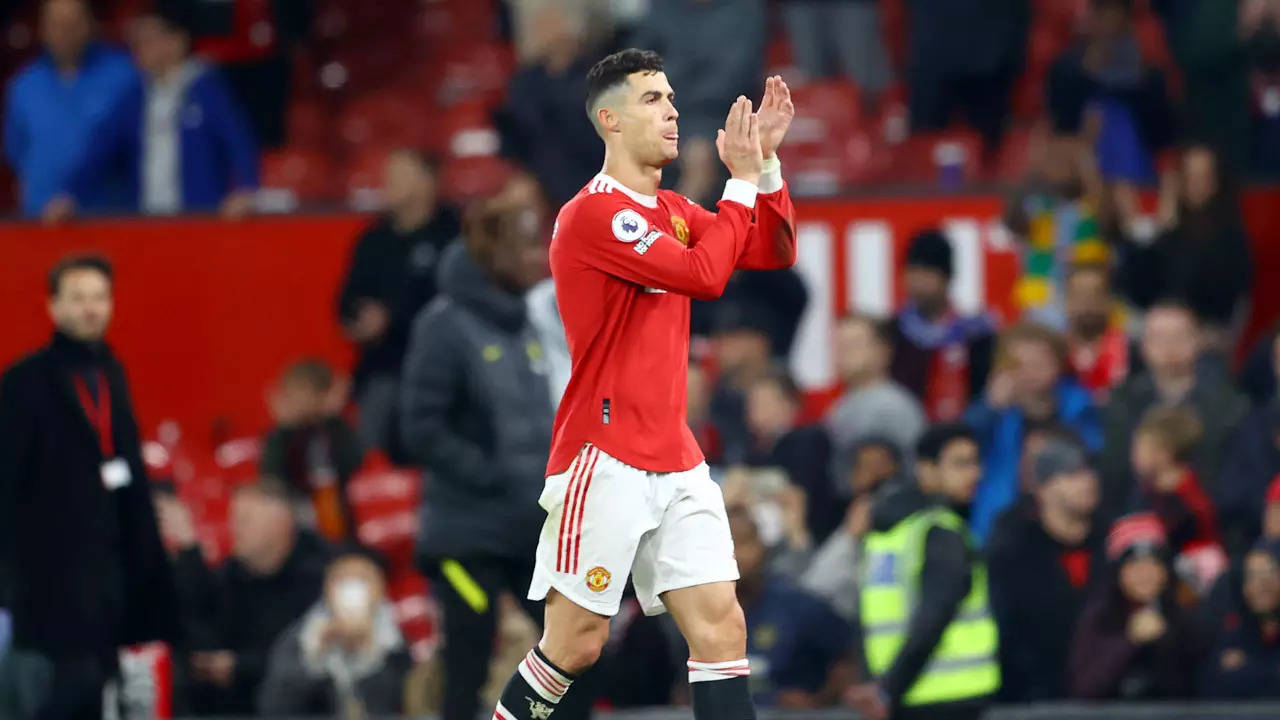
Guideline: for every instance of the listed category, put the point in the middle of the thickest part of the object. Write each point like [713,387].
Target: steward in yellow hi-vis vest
[928,638]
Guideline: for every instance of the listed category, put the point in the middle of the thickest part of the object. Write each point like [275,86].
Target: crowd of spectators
[175,125]
[1129,480]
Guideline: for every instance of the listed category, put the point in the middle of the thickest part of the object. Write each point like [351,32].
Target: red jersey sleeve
[771,244]
[616,238]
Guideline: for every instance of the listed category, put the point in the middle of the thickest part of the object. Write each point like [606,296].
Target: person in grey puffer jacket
[476,413]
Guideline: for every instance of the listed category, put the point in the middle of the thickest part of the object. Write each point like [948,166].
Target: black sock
[534,690]
[720,690]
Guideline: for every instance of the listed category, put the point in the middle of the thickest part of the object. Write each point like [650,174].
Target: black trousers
[984,99]
[75,692]
[468,589]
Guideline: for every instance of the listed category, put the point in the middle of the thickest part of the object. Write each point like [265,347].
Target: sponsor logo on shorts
[598,579]
[628,226]
[643,246]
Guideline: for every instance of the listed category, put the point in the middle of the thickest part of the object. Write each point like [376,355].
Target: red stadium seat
[310,123]
[923,158]
[298,176]
[385,117]
[472,72]
[466,130]
[456,22]
[1014,159]
[363,177]
[828,108]
[384,501]
[469,178]
[821,149]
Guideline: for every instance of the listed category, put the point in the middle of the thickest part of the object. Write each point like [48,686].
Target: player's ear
[606,119]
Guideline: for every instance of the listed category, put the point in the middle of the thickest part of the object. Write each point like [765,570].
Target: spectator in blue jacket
[1028,385]
[54,104]
[185,140]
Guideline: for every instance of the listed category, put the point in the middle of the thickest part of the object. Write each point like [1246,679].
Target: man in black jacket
[233,615]
[392,276]
[1044,554]
[81,565]
[476,413]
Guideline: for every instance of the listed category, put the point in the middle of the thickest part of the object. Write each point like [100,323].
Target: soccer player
[627,489]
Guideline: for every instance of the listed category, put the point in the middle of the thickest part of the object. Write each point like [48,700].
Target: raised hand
[739,142]
[776,114]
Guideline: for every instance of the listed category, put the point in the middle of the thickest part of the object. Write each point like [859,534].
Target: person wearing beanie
[1133,641]
[1244,656]
[928,639]
[1044,556]
[938,354]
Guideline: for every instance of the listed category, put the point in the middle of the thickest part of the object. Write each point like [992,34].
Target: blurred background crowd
[1127,499]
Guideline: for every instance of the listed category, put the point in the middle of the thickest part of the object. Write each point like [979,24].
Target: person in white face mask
[345,657]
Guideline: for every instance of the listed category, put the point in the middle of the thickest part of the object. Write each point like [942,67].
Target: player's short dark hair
[938,437]
[84,261]
[614,69]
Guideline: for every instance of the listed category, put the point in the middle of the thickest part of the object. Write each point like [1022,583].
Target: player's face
[647,119]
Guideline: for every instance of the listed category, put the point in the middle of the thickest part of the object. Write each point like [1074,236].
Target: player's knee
[574,652]
[720,634]
[574,637]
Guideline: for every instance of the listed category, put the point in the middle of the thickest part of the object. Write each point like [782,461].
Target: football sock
[720,690]
[534,690]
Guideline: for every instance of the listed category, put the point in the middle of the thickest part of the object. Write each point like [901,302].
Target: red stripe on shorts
[573,477]
[577,536]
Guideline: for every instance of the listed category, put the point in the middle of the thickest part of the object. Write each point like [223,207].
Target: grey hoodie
[476,413]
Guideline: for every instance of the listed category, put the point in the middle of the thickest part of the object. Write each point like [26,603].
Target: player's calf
[570,645]
[712,623]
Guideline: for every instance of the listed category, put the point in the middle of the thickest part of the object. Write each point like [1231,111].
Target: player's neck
[633,176]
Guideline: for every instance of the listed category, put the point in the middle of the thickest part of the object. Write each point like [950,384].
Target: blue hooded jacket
[1000,433]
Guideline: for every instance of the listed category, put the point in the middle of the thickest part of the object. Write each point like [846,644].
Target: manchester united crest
[681,228]
[598,579]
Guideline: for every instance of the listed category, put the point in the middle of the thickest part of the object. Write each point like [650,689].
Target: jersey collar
[649,201]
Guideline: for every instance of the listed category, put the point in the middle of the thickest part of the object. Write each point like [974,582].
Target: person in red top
[1163,446]
[1099,347]
[627,489]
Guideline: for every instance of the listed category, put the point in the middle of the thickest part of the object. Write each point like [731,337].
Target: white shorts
[607,520]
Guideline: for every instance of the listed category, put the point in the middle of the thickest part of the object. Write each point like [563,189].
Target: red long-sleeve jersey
[625,266]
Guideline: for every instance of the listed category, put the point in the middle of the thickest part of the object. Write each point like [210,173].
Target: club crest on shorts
[628,226]
[598,579]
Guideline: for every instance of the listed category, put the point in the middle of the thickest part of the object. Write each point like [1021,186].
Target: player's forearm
[772,243]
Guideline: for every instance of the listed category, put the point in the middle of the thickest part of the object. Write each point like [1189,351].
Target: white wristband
[740,191]
[771,175]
